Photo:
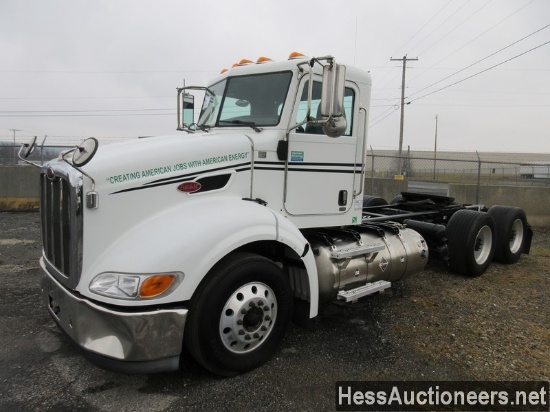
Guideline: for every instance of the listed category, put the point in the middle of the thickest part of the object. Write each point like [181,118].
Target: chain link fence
[9,152]
[430,174]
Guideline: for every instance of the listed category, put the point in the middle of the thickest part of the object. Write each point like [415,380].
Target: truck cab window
[349,98]
[246,100]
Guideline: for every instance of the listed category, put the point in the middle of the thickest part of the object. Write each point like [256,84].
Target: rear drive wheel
[471,244]
[397,199]
[510,233]
[369,200]
[237,320]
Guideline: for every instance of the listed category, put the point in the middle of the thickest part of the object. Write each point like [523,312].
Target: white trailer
[535,170]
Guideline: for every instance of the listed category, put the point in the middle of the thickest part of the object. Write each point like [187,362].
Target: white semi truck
[214,238]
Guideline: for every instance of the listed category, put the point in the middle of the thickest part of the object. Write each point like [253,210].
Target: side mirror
[186,109]
[332,100]
[188,112]
[28,148]
[85,151]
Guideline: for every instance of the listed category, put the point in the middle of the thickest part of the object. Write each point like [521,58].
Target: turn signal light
[264,59]
[155,285]
[295,55]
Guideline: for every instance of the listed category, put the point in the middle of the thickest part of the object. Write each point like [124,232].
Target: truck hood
[155,161]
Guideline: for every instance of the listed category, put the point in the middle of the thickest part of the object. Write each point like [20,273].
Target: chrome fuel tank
[349,258]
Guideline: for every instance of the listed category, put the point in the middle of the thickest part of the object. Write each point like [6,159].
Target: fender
[289,234]
[191,238]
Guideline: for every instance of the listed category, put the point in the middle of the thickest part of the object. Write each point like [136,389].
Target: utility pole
[404,60]
[14,130]
[435,145]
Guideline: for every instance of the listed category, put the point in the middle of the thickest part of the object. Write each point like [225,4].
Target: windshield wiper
[242,122]
[192,128]
[204,127]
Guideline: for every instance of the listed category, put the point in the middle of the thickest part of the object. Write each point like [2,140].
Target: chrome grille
[61,214]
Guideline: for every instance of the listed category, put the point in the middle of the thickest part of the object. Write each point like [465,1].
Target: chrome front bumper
[123,341]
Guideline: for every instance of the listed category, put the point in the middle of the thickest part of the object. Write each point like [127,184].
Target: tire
[510,233]
[238,318]
[373,201]
[397,199]
[471,245]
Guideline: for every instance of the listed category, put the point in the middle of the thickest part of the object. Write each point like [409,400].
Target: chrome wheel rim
[483,245]
[248,317]
[516,236]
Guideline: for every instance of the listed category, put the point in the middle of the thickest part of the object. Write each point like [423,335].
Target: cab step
[353,294]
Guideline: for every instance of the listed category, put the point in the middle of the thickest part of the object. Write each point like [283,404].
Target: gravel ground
[433,326]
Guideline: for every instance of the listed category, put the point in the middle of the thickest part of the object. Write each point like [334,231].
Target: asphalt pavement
[375,339]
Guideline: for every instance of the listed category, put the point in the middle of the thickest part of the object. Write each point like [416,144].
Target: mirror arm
[309,92]
[364,152]
[23,159]
[333,91]
[179,110]
[64,158]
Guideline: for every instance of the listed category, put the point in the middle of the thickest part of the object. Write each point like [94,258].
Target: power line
[443,22]
[479,61]
[412,37]
[82,111]
[428,35]
[474,39]
[89,115]
[483,71]
[421,28]
[86,97]
[86,113]
[25,71]
[383,118]
[456,27]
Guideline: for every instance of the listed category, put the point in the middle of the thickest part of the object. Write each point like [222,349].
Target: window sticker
[296,156]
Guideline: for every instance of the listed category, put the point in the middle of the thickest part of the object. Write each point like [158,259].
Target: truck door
[321,172]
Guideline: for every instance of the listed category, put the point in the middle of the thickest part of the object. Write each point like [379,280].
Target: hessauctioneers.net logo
[443,396]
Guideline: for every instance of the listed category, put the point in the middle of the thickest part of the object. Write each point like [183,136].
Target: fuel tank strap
[356,251]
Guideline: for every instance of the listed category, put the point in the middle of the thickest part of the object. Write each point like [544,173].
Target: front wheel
[238,318]
[471,243]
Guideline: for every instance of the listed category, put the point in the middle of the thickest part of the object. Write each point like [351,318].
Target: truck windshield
[254,100]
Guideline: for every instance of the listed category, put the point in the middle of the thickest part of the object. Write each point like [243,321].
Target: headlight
[135,285]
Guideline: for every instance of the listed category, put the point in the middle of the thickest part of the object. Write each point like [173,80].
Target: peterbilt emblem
[50,173]
[383,264]
[189,187]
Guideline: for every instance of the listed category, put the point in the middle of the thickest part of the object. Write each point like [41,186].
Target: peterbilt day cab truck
[214,238]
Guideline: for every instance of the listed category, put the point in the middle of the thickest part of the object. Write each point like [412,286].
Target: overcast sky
[109,68]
